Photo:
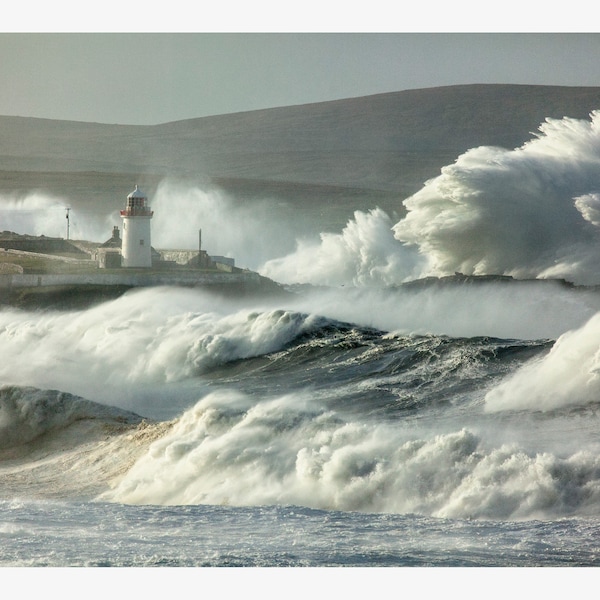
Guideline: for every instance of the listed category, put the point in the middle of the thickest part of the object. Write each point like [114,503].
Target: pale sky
[149,78]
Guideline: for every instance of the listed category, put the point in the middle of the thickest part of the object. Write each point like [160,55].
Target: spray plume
[229,449]
[42,214]
[250,232]
[531,212]
[528,212]
[568,376]
[365,253]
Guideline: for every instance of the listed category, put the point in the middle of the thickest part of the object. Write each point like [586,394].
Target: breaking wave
[228,449]
[569,375]
[29,413]
[352,397]
[529,212]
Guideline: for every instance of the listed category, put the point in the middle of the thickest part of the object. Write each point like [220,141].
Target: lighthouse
[135,248]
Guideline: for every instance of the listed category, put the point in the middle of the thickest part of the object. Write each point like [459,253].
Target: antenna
[68,221]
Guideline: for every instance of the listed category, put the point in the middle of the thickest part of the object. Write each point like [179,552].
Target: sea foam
[569,375]
[529,212]
[231,449]
[147,337]
[28,413]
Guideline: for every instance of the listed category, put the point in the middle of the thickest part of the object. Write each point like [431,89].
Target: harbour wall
[137,279]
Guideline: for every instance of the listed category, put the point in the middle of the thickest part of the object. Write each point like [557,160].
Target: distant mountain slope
[386,143]
[446,118]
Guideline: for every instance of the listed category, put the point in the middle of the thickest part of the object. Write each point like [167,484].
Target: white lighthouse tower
[136,249]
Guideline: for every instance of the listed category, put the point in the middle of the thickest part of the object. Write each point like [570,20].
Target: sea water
[356,420]
[263,436]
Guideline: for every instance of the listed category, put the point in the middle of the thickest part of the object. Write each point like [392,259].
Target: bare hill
[374,149]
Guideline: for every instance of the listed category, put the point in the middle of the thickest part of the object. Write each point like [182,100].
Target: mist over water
[38,214]
[365,253]
[351,393]
[528,212]
[138,343]
[124,351]
[569,375]
[250,232]
[523,310]
[292,450]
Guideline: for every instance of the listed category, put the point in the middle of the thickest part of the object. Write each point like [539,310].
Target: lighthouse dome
[137,193]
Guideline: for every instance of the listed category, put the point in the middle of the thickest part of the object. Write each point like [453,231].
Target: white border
[179,16]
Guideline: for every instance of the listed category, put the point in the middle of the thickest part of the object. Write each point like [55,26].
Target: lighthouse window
[141,242]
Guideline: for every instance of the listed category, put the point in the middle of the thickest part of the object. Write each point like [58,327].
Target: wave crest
[27,413]
[228,449]
[569,375]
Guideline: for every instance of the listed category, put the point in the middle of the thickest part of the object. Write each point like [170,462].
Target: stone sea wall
[137,279]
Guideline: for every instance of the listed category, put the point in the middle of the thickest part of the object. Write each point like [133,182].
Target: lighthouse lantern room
[136,249]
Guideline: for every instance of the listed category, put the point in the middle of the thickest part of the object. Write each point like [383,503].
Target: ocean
[385,411]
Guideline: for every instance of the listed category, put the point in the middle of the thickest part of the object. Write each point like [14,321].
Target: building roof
[137,193]
[114,241]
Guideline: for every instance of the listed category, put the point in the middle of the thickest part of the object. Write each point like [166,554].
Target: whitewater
[424,392]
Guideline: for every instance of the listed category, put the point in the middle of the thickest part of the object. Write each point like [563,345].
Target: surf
[54,445]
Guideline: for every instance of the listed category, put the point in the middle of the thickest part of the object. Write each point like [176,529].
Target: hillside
[359,152]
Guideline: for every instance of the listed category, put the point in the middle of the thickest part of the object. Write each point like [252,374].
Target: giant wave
[397,378]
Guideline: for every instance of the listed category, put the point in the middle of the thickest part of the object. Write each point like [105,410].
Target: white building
[136,249]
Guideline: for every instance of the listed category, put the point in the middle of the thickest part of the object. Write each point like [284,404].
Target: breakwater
[72,290]
[136,279]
